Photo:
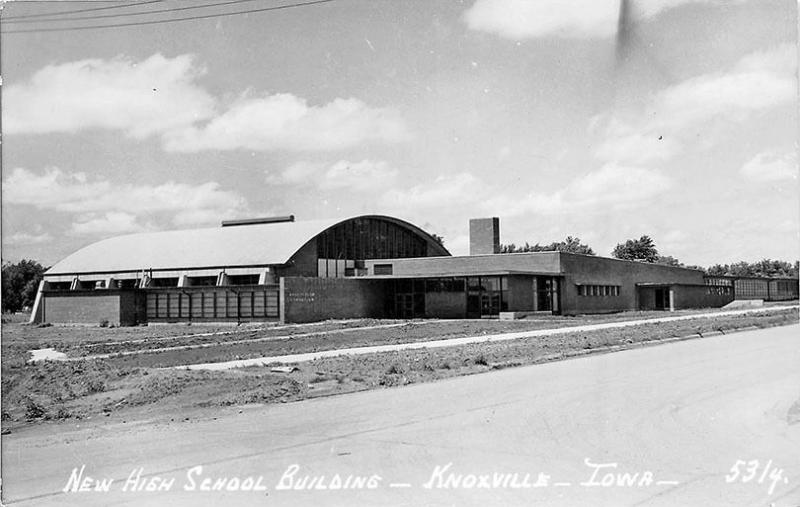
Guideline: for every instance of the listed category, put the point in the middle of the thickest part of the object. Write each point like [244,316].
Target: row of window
[192,281]
[370,238]
[471,284]
[598,290]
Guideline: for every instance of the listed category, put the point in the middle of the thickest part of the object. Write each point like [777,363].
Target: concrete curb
[452,342]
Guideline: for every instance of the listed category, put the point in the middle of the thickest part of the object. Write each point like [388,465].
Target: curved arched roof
[244,245]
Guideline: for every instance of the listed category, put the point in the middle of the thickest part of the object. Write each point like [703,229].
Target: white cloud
[524,19]
[359,176]
[112,222]
[612,187]
[617,186]
[139,98]
[758,82]
[674,240]
[649,8]
[162,96]
[286,122]
[106,204]
[24,238]
[299,173]
[771,166]
[363,176]
[624,143]
[445,192]
[781,60]
[732,96]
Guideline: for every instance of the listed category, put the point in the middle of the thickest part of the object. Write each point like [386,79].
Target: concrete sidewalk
[451,342]
[52,355]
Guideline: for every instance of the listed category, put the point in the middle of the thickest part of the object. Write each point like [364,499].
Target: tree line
[644,249]
[20,284]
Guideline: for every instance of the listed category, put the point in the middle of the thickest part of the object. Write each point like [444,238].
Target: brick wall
[697,296]
[446,305]
[590,270]
[484,236]
[313,299]
[84,308]
[520,294]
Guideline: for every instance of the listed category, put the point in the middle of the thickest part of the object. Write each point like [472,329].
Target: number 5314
[746,471]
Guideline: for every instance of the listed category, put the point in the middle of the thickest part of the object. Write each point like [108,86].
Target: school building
[279,269]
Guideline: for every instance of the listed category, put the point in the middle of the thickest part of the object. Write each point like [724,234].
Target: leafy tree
[569,245]
[20,283]
[438,239]
[764,268]
[572,245]
[668,260]
[642,249]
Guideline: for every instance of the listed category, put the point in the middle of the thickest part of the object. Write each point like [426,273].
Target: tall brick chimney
[484,236]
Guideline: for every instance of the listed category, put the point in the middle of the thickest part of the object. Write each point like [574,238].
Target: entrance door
[490,304]
[485,298]
[473,306]
[662,298]
[547,299]
[409,299]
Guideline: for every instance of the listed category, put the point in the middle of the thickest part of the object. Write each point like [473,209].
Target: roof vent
[255,221]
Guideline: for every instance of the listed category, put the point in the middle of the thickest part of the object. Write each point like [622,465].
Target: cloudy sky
[677,120]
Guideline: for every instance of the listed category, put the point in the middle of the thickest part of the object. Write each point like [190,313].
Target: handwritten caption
[746,471]
[445,476]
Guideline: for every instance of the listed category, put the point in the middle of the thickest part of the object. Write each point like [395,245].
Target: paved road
[684,412]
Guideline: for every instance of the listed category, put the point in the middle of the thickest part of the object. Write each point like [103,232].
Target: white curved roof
[243,245]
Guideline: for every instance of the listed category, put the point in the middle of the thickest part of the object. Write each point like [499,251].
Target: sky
[678,120]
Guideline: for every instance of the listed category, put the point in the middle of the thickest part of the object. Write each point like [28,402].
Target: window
[164,282]
[383,269]
[243,279]
[598,290]
[370,238]
[444,285]
[202,281]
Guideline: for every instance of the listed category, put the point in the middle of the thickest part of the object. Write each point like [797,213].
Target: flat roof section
[457,274]
[534,263]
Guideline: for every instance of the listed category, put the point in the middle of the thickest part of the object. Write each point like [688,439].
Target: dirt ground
[81,341]
[131,386]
